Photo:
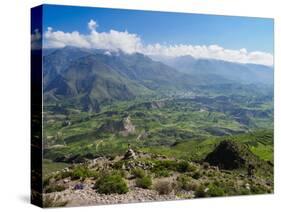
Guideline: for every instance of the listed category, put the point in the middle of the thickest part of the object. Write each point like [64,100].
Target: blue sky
[254,34]
[159,34]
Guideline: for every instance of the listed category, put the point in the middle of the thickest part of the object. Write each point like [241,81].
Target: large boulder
[124,127]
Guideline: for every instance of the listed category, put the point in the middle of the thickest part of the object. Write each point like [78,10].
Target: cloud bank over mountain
[114,40]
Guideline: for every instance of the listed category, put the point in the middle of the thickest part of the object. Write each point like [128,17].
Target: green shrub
[185,166]
[123,173]
[210,174]
[258,189]
[163,187]
[186,183]
[62,175]
[196,175]
[111,183]
[244,191]
[165,164]
[211,190]
[144,182]
[182,181]
[54,188]
[200,192]
[118,164]
[215,191]
[162,173]
[138,173]
[82,172]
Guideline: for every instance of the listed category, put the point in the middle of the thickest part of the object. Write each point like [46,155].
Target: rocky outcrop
[111,126]
[130,154]
[232,155]
[149,105]
[128,127]
[125,127]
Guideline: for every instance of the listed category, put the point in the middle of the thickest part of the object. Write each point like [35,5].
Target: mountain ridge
[87,78]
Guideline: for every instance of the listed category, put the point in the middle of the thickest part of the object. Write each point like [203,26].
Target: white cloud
[211,52]
[92,25]
[112,40]
[131,43]
[59,39]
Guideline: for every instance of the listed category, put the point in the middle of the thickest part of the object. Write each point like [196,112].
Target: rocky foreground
[89,196]
[231,169]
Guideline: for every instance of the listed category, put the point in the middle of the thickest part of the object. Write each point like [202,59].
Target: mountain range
[220,69]
[86,78]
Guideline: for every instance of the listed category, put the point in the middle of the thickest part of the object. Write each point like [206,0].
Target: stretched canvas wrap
[139,106]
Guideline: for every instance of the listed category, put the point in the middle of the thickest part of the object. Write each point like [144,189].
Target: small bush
[165,164]
[62,175]
[215,191]
[196,175]
[201,192]
[185,166]
[186,183]
[210,191]
[258,189]
[111,183]
[162,173]
[82,172]
[138,173]
[244,191]
[163,187]
[118,164]
[182,181]
[54,188]
[124,173]
[144,182]
[210,174]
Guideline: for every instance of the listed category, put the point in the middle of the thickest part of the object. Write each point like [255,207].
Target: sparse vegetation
[187,183]
[54,188]
[201,191]
[196,175]
[138,173]
[82,172]
[111,183]
[162,173]
[163,187]
[144,182]
[185,166]
[215,191]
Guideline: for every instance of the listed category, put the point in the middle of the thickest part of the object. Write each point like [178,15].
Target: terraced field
[182,127]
